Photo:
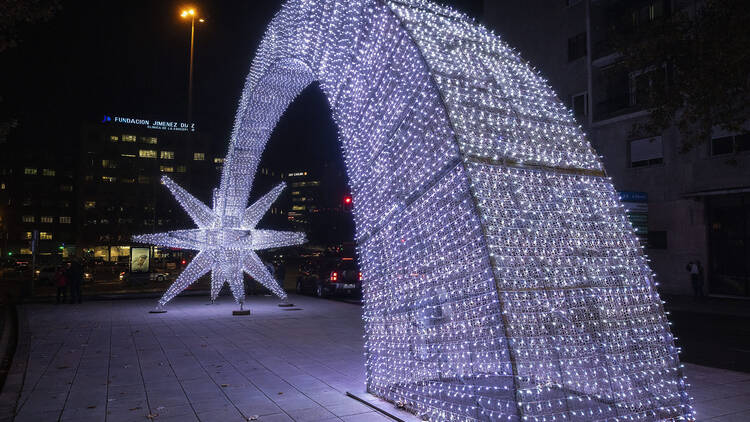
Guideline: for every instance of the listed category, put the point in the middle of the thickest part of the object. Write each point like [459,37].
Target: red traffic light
[183,262]
[348,200]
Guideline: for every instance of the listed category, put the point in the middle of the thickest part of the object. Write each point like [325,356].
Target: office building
[687,205]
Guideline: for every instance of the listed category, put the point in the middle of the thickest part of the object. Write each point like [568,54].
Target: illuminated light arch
[503,280]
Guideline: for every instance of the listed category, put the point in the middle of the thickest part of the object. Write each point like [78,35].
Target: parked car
[128,277]
[334,277]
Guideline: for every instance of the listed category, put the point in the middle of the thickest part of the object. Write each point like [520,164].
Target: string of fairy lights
[504,281]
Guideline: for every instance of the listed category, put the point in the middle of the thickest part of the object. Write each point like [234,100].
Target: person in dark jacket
[696,278]
[61,282]
[75,279]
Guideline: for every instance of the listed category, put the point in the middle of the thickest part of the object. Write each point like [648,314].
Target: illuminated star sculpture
[226,242]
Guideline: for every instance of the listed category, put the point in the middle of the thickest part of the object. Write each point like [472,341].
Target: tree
[702,55]
[15,13]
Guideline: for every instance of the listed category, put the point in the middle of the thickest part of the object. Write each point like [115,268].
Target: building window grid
[199,156]
[147,153]
[47,219]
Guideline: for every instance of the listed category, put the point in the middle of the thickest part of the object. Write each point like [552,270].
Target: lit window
[45,236]
[48,219]
[109,179]
[109,164]
[2,186]
[199,156]
[27,218]
[181,169]
[66,188]
[48,172]
[218,160]
[144,180]
[89,205]
[167,155]
[149,140]
[114,138]
[128,155]
[27,235]
[166,169]
[147,153]
[29,171]
[128,138]
[298,208]
[128,180]
[66,220]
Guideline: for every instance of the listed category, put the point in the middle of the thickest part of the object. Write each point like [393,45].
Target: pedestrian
[75,279]
[280,271]
[696,278]
[61,282]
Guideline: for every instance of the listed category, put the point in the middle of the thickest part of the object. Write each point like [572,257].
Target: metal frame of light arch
[542,228]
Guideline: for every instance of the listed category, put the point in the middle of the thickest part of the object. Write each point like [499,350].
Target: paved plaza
[113,361]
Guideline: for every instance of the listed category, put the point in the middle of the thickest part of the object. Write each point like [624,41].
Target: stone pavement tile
[735,417]
[276,417]
[313,414]
[124,392]
[172,411]
[96,413]
[211,405]
[366,417]
[293,402]
[257,405]
[126,415]
[732,404]
[183,418]
[167,399]
[329,397]
[29,416]
[226,415]
[41,402]
[127,404]
[352,407]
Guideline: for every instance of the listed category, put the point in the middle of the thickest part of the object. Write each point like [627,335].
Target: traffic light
[347,203]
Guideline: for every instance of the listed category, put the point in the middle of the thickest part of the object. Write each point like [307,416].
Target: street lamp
[191,13]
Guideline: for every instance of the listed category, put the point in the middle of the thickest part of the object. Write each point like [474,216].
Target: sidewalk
[113,361]
[708,305]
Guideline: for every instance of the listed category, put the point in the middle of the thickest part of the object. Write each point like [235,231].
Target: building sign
[140,260]
[151,124]
[636,206]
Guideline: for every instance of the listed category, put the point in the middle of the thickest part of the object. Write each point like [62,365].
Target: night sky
[131,58]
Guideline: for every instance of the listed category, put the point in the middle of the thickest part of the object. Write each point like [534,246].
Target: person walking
[696,278]
[61,282]
[75,279]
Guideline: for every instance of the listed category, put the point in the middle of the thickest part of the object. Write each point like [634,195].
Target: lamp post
[191,14]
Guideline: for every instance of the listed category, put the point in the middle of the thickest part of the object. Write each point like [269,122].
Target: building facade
[91,194]
[693,205]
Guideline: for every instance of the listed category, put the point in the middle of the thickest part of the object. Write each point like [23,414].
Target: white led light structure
[503,280]
[226,244]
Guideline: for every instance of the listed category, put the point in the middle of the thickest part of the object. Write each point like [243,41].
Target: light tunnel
[504,279]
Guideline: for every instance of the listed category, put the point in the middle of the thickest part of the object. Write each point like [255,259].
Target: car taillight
[360,276]
[334,276]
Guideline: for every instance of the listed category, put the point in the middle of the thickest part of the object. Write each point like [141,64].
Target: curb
[14,380]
